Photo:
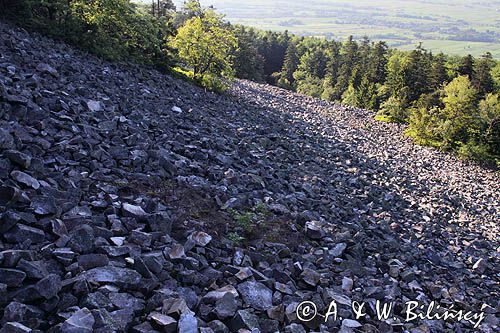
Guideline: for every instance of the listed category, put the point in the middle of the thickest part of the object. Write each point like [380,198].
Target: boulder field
[132,201]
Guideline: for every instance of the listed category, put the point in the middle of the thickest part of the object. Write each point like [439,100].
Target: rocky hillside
[133,201]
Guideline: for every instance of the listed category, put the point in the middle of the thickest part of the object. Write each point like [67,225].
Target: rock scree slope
[124,193]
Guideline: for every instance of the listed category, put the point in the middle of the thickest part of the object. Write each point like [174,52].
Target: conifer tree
[466,66]
[483,80]
[438,74]
[290,65]
[349,57]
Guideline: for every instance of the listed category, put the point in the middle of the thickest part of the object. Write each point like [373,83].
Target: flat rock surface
[133,201]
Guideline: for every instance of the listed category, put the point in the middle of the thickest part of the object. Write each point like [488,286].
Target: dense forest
[447,101]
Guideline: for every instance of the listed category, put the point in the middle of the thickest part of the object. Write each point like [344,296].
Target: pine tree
[438,74]
[349,58]
[417,73]
[466,66]
[366,94]
[248,62]
[290,65]
[377,63]
[395,87]
[331,71]
[311,71]
[483,80]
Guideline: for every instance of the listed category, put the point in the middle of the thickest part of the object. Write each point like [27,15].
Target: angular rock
[177,252]
[314,231]
[14,327]
[21,233]
[338,250]
[6,140]
[126,301]
[25,179]
[111,274]
[256,295]
[188,323]
[22,313]
[46,69]
[141,238]
[88,261]
[310,277]
[18,158]
[244,319]
[8,220]
[93,106]
[215,295]
[226,306]
[8,195]
[81,321]
[129,210]
[82,239]
[176,109]
[163,322]
[200,238]
[12,277]
[49,286]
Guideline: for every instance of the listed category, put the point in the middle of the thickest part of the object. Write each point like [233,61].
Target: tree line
[447,101]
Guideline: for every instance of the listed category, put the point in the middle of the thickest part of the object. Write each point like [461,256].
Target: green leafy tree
[189,9]
[349,96]
[205,46]
[422,126]
[489,111]
[458,114]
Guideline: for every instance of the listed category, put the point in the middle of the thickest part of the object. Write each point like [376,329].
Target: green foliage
[248,62]
[366,94]
[466,66]
[384,118]
[349,96]
[114,29]
[395,107]
[495,73]
[458,125]
[457,116]
[489,111]
[205,46]
[290,65]
[438,74]
[311,70]
[422,126]
[474,151]
[235,237]
[483,78]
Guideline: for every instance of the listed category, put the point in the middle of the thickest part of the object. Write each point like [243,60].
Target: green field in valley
[455,27]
